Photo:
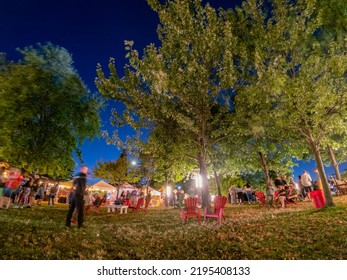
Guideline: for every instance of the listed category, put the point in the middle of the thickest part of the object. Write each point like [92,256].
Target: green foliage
[241,90]
[291,76]
[167,150]
[178,81]
[116,172]
[46,111]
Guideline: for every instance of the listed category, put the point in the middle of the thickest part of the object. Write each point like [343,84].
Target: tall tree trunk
[334,162]
[205,188]
[117,196]
[218,180]
[265,167]
[328,198]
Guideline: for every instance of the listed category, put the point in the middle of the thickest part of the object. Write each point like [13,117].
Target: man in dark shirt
[278,181]
[77,200]
[284,182]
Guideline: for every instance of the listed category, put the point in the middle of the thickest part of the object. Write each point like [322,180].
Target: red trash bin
[318,198]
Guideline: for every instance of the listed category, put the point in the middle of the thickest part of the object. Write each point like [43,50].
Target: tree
[334,28]
[335,152]
[167,148]
[267,157]
[261,146]
[116,172]
[46,111]
[179,80]
[300,79]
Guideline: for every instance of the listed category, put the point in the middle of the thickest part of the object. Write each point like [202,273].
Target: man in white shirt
[306,182]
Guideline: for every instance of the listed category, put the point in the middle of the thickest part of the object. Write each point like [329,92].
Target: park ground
[299,232]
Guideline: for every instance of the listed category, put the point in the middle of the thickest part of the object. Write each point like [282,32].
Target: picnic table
[122,208]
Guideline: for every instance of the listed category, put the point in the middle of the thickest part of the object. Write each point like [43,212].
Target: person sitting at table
[95,199]
[292,194]
[119,201]
[282,193]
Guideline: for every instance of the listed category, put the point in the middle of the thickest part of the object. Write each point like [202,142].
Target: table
[122,208]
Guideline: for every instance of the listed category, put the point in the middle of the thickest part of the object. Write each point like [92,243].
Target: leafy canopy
[46,111]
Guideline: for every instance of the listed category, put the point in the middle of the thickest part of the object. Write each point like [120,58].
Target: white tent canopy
[126,187]
[102,186]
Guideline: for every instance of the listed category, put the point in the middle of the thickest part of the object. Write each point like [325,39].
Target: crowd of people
[20,190]
[280,191]
[240,195]
[78,197]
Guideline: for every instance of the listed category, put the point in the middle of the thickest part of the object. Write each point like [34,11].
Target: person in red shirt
[13,182]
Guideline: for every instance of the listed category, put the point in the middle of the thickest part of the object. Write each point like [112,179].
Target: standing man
[306,182]
[40,194]
[77,199]
[33,190]
[301,189]
[52,193]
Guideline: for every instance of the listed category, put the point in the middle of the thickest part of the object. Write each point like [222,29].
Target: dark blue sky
[92,31]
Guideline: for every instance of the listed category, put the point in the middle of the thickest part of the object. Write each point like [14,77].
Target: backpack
[117,202]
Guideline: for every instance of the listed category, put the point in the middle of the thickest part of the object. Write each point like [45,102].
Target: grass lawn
[248,232]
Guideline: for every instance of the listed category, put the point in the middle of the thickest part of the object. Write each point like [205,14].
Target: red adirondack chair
[261,198]
[144,207]
[138,206]
[94,208]
[217,210]
[190,209]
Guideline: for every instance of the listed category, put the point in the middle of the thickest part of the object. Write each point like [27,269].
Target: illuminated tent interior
[65,185]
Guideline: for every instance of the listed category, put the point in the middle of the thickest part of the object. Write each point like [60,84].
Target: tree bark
[217,178]
[205,188]
[265,167]
[117,196]
[334,162]
[315,149]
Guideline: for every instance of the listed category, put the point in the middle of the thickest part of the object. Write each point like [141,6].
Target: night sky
[92,31]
